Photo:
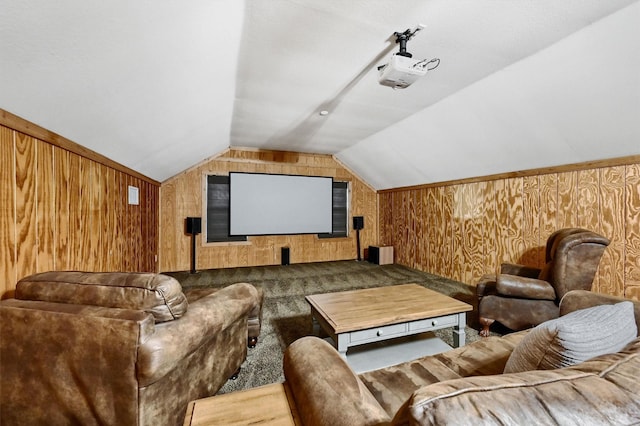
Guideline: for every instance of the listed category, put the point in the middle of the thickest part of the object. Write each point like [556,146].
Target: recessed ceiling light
[324,112]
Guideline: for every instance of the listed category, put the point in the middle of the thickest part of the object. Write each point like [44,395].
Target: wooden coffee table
[359,317]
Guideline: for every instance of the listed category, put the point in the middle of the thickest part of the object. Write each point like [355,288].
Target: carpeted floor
[286,314]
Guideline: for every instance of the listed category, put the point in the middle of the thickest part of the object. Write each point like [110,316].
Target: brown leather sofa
[466,386]
[521,297]
[118,348]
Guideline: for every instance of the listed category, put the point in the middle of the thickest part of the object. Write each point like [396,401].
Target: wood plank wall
[60,210]
[462,230]
[182,196]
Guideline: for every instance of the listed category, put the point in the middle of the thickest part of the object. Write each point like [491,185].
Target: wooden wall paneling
[439,232]
[87,260]
[413,230]
[588,201]
[59,209]
[518,215]
[515,241]
[459,232]
[8,274]
[384,216]
[533,249]
[612,196]
[147,239]
[491,261]
[26,216]
[108,211]
[45,207]
[136,248]
[447,225]
[567,200]
[406,238]
[396,225]
[75,213]
[632,234]
[475,251]
[120,200]
[430,212]
[548,211]
[127,225]
[62,196]
[424,223]
[502,220]
[94,225]
[588,204]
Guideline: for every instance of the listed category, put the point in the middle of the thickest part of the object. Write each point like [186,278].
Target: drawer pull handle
[380,333]
[434,322]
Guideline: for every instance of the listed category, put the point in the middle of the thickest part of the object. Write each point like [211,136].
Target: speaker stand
[358,244]
[193,253]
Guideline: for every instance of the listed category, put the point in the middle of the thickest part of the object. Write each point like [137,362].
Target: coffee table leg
[458,330]
[315,326]
[341,345]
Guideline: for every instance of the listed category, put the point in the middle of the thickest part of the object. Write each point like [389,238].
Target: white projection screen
[268,204]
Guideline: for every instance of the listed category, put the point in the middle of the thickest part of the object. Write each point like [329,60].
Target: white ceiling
[160,85]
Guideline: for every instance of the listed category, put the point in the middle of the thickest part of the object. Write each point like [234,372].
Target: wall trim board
[26,127]
[595,164]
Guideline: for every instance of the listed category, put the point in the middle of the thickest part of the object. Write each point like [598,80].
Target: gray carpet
[286,314]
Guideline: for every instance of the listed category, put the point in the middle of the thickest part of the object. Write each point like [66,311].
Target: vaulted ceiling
[160,85]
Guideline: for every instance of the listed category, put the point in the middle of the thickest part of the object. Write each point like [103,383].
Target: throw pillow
[574,338]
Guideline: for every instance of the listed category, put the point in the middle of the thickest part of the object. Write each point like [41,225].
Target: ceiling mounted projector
[401,70]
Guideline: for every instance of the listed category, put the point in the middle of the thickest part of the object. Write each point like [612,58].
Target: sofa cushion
[606,394]
[574,338]
[158,294]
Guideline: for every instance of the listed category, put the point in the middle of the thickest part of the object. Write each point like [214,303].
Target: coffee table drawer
[433,323]
[378,333]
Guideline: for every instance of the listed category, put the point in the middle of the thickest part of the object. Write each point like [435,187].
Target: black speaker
[358,222]
[284,255]
[374,255]
[194,225]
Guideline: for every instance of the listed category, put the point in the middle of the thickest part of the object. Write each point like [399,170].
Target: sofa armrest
[523,287]
[174,340]
[255,315]
[325,389]
[582,299]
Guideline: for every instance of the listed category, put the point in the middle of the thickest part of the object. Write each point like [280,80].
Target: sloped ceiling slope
[161,85]
[149,84]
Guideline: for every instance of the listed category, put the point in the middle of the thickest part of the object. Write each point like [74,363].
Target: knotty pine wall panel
[632,234]
[63,211]
[470,228]
[182,196]
[7,210]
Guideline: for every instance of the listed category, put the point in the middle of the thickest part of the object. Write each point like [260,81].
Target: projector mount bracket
[403,37]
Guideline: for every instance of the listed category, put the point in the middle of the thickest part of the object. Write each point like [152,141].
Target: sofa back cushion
[600,391]
[574,338]
[157,294]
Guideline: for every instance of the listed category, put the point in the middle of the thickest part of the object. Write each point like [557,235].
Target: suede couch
[118,348]
[467,386]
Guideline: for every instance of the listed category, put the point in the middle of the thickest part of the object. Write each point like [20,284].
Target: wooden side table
[264,405]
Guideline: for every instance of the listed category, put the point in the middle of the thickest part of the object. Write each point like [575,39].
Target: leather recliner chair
[116,348]
[521,297]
